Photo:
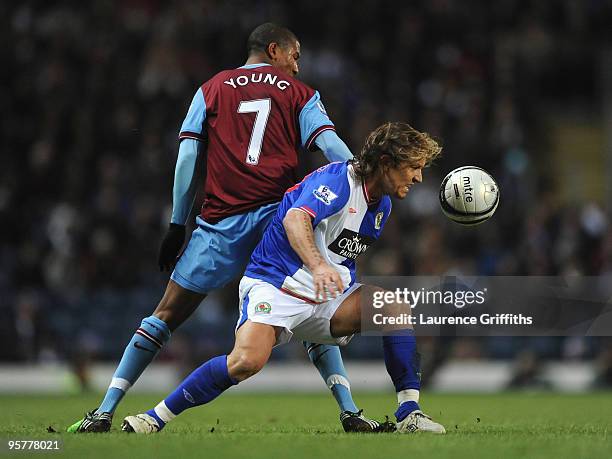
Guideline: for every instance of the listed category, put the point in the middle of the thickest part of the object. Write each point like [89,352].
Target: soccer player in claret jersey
[252,121]
[301,278]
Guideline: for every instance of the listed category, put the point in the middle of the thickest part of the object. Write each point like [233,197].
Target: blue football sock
[403,365]
[203,385]
[405,409]
[142,349]
[328,361]
[160,422]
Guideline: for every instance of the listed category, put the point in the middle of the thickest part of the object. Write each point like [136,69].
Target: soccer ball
[469,195]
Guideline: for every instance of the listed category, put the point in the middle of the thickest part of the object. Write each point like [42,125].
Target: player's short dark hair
[398,140]
[267,33]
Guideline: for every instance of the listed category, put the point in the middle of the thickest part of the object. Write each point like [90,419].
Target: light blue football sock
[328,360]
[139,353]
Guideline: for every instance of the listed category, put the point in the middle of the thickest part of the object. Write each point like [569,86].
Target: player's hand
[170,247]
[327,282]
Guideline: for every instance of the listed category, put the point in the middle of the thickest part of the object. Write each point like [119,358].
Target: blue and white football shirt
[344,222]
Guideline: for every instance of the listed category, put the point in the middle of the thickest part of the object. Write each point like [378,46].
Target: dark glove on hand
[170,247]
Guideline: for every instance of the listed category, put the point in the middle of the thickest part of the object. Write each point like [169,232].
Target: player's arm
[185,181]
[298,226]
[183,197]
[333,147]
[317,130]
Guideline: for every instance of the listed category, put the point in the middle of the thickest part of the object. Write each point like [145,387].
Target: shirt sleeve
[193,125]
[333,147]
[185,181]
[313,120]
[323,194]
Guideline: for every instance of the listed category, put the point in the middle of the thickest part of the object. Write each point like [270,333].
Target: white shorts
[263,303]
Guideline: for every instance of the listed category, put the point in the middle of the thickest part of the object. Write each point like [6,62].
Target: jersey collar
[366,195]
[253,66]
[364,188]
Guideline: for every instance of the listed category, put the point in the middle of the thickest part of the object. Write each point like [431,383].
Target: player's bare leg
[175,307]
[401,359]
[346,320]
[252,349]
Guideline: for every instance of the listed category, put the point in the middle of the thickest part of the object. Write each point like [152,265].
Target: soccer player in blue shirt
[301,278]
[252,120]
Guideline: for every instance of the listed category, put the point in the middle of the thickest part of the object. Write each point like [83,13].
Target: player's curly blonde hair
[398,140]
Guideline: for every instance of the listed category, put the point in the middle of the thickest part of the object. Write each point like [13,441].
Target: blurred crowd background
[93,95]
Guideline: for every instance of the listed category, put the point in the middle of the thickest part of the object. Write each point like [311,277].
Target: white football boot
[140,424]
[417,421]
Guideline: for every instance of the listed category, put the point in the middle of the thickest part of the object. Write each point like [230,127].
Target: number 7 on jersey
[262,109]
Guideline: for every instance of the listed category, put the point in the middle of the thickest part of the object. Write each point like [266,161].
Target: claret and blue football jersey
[344,223]
[253,119]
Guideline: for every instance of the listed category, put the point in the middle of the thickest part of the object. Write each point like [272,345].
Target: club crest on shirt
[378,220]
[324,194]
[263,308]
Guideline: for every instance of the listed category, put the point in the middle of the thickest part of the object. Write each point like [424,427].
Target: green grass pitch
[509,425]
